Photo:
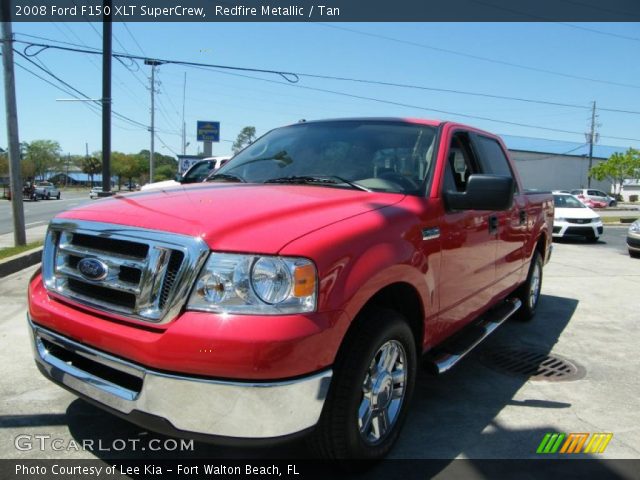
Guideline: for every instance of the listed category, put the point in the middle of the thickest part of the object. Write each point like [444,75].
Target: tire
[48,196]
[529,292]
[58,196]
[348,428]
[634,254]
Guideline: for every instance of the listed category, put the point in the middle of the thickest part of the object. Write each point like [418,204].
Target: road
[40,212]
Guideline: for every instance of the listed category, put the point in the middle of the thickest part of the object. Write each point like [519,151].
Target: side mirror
[179,178]
[484,192]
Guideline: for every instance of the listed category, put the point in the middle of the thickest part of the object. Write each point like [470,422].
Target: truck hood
[235,217]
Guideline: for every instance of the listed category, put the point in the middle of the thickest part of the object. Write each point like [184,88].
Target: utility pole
[591,136]
[184,125]
[154,64]
[106,100]
[19,234]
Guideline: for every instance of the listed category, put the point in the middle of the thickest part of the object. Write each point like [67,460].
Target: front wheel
[373,382]
[58,196]
[529,292]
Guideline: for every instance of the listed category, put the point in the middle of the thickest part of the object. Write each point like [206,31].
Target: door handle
[493,224]
[523,217]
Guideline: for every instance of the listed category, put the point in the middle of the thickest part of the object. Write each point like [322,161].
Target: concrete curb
[18,262]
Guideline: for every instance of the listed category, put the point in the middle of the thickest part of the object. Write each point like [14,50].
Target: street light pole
[154,64]
[106,100]
[19,234]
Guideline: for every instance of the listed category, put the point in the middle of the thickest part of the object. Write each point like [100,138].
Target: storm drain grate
[532,364]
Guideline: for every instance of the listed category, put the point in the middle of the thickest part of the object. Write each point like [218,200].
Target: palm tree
[90,166]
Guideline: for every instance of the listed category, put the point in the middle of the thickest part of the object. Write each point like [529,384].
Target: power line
[48,72]
[133,38]
[293,77]
[400,104]
[89,105]
[375,82]
[478,57]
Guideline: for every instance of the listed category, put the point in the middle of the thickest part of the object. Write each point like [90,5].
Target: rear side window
[492,159]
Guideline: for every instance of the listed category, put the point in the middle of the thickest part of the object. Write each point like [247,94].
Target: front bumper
[593,230]
[190,404]
[633,242]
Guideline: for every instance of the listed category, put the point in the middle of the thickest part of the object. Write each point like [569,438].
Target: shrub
[633,198]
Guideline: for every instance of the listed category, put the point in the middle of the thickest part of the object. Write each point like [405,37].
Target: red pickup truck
[294,292]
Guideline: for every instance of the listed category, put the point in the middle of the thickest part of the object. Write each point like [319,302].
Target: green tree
[90,166]
[4,164]
[129,166]
[41,156]
[618,168]
[245,138]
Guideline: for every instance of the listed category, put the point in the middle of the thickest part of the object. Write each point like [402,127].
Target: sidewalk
[33,234]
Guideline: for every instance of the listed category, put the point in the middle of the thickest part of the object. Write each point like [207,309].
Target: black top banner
[323,10]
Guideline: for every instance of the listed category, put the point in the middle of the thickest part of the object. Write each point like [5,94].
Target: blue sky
[610,54]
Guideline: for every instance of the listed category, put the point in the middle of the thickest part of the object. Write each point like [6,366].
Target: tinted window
[381,156]
[567,201]
[492,158]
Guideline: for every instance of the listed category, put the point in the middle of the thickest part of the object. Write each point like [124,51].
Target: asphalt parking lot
[588,314]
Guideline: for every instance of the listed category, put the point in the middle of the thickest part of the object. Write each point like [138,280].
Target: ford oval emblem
[93,269]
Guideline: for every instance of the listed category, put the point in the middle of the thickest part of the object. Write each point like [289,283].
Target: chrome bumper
[251,410]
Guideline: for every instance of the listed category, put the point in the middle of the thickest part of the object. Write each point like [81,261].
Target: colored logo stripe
[574,442]
[598,442]
[550,443]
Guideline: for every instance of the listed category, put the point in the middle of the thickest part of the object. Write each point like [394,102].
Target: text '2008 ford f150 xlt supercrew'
[294,292]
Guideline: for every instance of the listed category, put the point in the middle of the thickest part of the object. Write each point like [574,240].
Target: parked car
[95,192]
[296,290]
[47,190]
[574,218]
[197,173]
[633,239]
[594,198]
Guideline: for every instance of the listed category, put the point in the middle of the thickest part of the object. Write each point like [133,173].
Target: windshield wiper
[310,179]
[226,176]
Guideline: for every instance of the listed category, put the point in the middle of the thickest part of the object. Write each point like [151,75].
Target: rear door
[511,231]
[468,245]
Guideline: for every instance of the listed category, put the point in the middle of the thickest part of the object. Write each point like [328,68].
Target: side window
[461,164]
[595,193]
[492,158]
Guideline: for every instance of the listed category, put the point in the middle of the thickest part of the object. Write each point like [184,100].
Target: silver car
[633,239]
[595,195]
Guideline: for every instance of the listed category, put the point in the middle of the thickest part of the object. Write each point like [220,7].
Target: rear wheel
[372,385]
[529,292]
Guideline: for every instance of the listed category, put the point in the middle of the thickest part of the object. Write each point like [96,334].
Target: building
[557,165]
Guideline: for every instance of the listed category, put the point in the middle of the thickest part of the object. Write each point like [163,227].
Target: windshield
[368,155]
[567,201]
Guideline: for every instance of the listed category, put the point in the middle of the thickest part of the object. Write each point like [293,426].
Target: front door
[468,242]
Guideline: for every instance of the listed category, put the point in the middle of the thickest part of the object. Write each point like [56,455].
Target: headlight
[559,219]
[253,284]
[635,227]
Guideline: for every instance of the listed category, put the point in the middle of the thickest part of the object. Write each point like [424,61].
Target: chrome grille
[579,220]
[147,274]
